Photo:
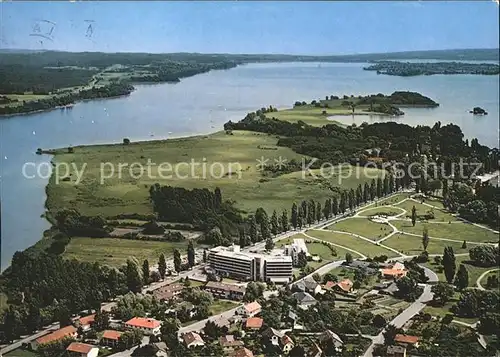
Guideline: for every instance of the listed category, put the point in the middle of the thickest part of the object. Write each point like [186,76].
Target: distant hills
[480,54]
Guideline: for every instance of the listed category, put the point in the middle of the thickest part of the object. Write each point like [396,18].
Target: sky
[306,27]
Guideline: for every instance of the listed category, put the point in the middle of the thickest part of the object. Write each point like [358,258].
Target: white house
[78,349]
[192,339]
[250,309]
[147,325]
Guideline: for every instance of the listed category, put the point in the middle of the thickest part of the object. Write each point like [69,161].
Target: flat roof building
[230,261]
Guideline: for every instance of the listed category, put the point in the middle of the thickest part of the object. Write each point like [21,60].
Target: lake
[201,104]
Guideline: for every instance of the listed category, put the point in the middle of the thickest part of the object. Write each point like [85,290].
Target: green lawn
[220,306]
[115,252]
[442,311]
[474,271]
[357,244]
[363,227]
[237,153]
[21,353]
[460,231]
[393,199]
[411,245]
[317,248]
[384,210]
[439,216]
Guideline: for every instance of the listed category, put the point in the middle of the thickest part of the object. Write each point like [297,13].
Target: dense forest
[407,69]
[108,91]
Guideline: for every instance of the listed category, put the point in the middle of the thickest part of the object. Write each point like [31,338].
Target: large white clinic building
[230,261]
[293,250]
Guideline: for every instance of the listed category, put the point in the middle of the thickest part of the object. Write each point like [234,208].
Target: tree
[177,260]
[243,240]
[300,217]
[274,223]
[373,190]
[253,230]
[318,212]
[348,258]
[390,334]
[343,202]
[379,321]
[335,206]
[265,230]
[145,272]
[101,320]
[379,187]
[269,243]
[254,291]
[134,281]
[294,217]
[327,208]
[425,238]
[204,255]
[63,316]
[464,245]
[413,215]
[301,259]
[311,212]
[211,330]
[462,278]
[217,198]
[407,288]
[366,192]
[190,254]
[449,264]
[485,255]
[12,323]
[443,292]
[284,221]
[162,266]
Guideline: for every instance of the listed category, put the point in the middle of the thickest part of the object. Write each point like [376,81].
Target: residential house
[391,289]
[222,322]
[242,352]
[147,325]
[406,340]
[286,344]
[273,336]
[304,300]
[343,287]
[225,291]
[330,336]
[77,349]
[309,286]
[368,267]
[85,322]
[250,309]
[168,292]
[229,343]
[65,332]
[110,338]
[292,317]
[254,323]
[192,339]
[396,351]
[161,349]
[397,271]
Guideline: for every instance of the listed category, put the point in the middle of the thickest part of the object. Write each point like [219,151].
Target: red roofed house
[77,349]
[68,331]
[110,338]
[86,321]
[242,352]
[229,343]
[192,339]
[254,323]
[398,270]
[344,286]
[406,340]
[147,325]
[250,309]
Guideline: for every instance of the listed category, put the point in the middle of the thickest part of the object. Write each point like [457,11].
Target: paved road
[478,281]
[27,339]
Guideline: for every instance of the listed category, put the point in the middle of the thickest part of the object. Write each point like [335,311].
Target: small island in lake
[408,69]
[478,111]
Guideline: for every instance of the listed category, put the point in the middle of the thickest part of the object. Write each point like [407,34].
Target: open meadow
[363,227]
[232,158]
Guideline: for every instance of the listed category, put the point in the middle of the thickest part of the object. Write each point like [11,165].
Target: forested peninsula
[408,69]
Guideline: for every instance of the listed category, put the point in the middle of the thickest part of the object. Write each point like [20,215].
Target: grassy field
[393,199]
[21,353]
[115,252]
[310,115]
[317,248]
[363,227]
[439,216]
[460,231]
[359,245]
[389,211]
[474,271]
[219,306]
[237,153]
[411,245]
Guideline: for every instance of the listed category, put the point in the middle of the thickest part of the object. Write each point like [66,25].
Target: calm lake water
[201,104]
